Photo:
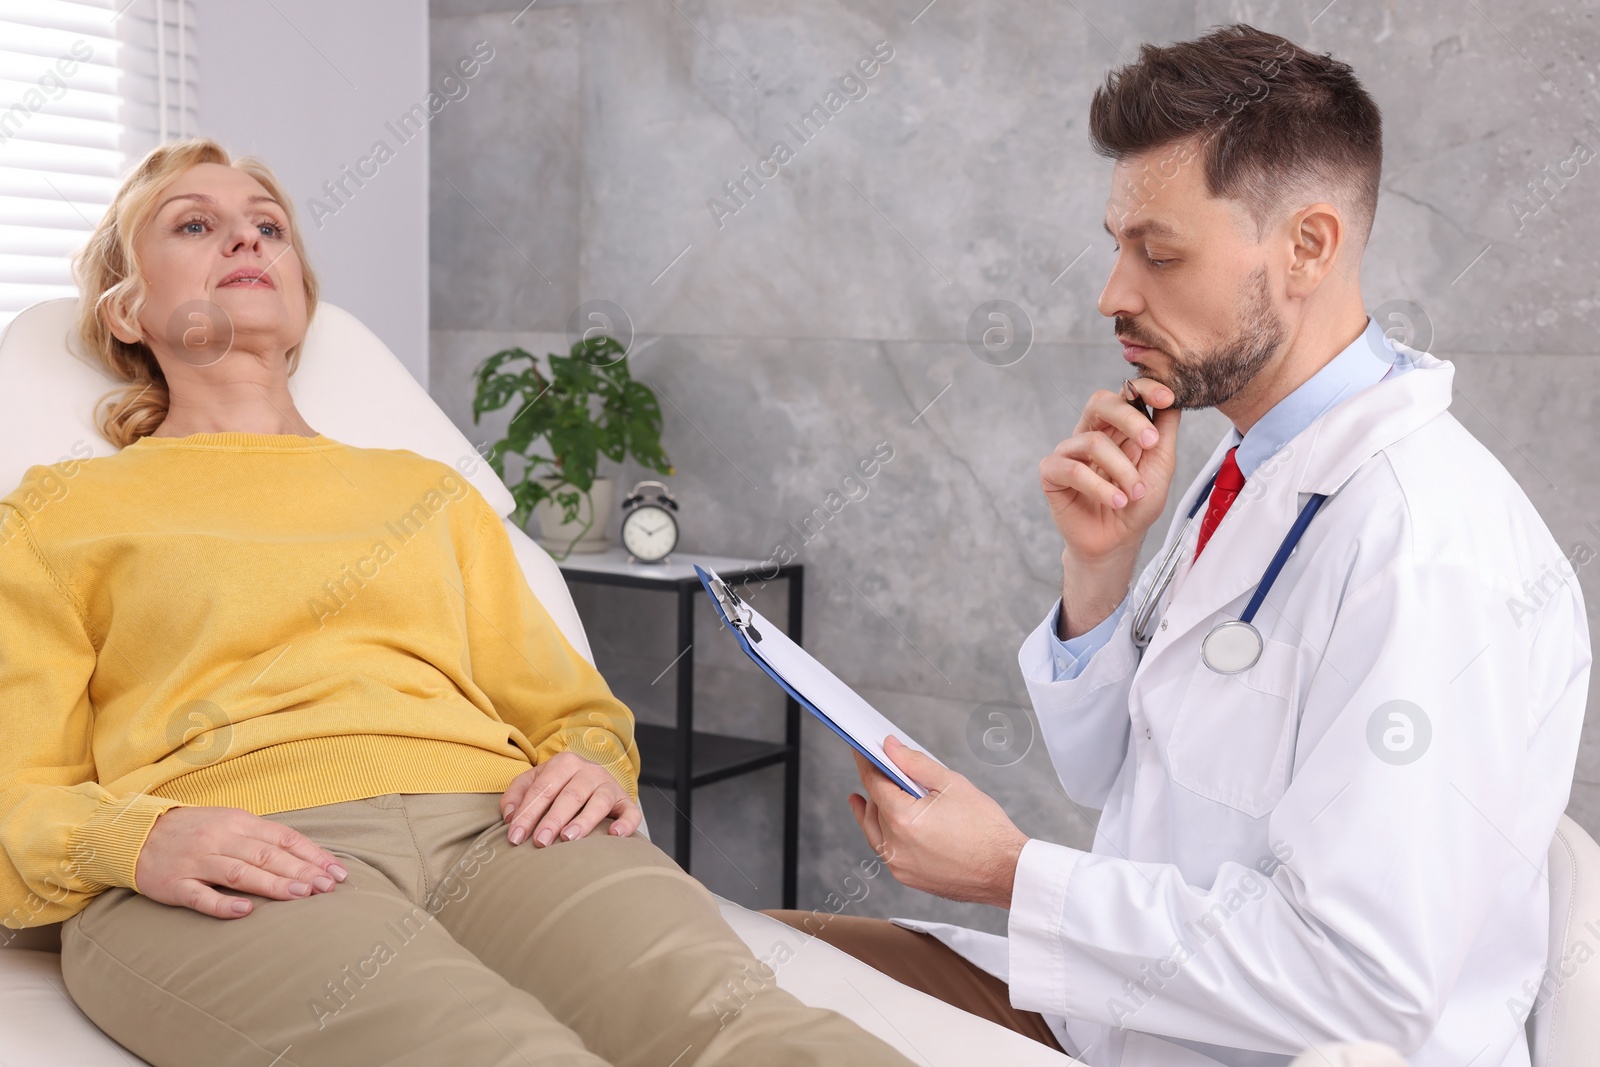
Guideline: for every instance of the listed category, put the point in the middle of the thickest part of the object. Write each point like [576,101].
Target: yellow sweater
[266,622]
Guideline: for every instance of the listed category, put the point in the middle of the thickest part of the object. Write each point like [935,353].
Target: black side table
[680,758]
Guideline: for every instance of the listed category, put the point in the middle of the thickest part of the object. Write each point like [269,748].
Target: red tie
[1229,482]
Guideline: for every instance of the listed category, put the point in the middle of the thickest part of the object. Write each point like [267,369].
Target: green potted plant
[587,406]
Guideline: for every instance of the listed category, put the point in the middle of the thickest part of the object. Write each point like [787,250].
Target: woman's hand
[572,794]
[191,848]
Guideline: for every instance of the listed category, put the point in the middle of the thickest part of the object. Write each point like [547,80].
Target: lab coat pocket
[1230,740]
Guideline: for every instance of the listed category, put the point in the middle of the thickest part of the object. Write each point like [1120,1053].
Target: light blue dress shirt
[1365,361]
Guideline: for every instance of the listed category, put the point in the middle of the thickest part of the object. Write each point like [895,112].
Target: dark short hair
[1272,119]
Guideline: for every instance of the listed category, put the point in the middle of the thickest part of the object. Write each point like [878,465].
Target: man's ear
[1317,238]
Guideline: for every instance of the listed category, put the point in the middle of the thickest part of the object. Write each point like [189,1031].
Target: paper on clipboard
[813,685]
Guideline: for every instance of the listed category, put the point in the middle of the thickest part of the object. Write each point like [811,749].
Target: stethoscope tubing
[1168,567]
[1163,576]
[1285,550]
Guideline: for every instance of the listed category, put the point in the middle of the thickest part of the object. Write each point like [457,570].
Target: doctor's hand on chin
[955,843]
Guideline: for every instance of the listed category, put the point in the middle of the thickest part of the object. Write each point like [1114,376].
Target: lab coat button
[1163,624]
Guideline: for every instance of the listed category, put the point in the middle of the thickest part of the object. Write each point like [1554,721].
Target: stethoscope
[1233,645]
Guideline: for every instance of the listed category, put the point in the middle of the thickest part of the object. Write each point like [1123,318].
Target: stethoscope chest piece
[1231,647]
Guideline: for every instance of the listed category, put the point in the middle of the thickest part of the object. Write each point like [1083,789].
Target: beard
[1215,376]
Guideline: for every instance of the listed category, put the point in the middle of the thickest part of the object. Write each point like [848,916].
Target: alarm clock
[649,530]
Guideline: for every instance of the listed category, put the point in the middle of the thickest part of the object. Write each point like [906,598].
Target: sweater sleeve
[63,838]
[536,680]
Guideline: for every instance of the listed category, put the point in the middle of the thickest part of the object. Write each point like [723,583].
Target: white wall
[311,88]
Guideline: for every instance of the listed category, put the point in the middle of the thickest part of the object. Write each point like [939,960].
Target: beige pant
[447,945]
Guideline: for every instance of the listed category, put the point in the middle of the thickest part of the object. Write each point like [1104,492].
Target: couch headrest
[348,385]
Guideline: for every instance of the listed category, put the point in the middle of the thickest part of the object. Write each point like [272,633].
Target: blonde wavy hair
[112,290]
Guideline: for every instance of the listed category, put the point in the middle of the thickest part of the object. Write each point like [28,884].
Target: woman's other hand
[191,848]
[568,796]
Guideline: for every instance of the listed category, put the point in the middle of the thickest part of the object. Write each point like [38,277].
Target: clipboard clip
[737,611]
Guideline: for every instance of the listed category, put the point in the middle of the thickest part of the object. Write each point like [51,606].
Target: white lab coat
[1268,872]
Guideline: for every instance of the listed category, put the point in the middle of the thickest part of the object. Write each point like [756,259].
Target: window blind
[86,88]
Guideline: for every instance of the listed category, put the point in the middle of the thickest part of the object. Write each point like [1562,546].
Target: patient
[292,748]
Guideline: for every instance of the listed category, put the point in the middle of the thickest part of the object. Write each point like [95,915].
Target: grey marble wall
[828,313]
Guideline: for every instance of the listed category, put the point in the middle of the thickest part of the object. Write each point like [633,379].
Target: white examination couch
[350,387]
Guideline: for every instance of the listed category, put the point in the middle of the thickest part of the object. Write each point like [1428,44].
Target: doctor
[1327,825]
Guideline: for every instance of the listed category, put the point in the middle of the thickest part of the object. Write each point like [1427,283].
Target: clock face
[649,533]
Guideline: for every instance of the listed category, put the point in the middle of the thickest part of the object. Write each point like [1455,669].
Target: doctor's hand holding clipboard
[968,852]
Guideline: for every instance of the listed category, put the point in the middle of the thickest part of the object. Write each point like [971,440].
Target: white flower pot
[558,538]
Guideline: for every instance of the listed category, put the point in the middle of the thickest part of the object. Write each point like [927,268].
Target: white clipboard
[817,689]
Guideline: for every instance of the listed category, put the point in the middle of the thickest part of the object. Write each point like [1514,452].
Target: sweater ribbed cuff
[605,748]
[104,851]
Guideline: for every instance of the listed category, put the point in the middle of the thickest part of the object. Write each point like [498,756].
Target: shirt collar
[1365,361]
